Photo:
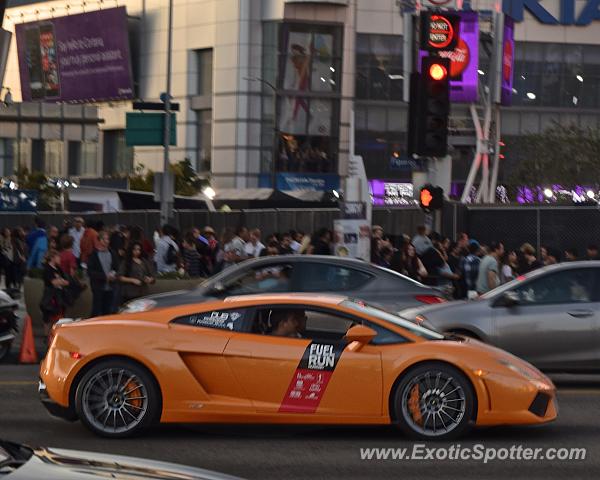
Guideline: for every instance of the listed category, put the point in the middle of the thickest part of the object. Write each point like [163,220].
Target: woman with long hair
[413,267]
[20,255]
[135,273]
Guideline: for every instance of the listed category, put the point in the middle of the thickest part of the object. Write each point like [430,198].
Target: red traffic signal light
[438,72]
[426,197]
[431,198]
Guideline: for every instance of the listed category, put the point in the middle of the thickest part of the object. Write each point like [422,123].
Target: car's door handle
[581,313]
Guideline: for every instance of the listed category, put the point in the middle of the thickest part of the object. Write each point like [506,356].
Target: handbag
[52,301]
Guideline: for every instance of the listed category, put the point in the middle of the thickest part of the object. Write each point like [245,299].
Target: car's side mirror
[508,299]
[218,289]
[360,334]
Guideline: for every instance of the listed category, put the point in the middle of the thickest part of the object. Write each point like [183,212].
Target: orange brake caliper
[413,405]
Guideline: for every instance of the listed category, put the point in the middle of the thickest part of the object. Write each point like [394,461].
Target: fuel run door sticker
[310,379]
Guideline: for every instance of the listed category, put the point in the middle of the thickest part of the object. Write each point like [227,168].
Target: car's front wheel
[117,398]
[434,401]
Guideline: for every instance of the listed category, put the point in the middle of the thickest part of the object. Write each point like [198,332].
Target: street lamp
[275,151]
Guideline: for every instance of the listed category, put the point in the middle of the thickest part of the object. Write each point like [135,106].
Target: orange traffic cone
[28,353]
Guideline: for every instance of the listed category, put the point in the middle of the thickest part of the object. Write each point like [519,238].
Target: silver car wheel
[115,400]
[433,403]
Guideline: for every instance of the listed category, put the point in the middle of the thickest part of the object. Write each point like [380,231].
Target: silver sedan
[550,317]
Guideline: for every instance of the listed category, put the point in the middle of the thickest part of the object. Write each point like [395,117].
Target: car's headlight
[525,372]
[137,306]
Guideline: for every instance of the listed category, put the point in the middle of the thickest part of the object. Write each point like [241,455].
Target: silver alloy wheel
[433,403]
[115,400]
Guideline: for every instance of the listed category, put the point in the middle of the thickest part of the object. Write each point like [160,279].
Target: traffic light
[431,198]
[429,108]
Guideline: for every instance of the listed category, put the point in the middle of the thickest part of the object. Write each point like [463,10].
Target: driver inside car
[288,323]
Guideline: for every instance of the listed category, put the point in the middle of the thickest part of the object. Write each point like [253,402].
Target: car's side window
[315,324]
[568,286]
[273,278]
[324,277]
[234,320]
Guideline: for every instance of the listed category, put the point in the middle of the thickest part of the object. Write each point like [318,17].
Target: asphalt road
[282,452]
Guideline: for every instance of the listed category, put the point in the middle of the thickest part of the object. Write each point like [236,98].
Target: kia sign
[77,58]
[589,11]
[464,59]
[508,61]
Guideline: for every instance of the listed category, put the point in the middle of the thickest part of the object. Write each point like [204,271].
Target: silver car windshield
[418,330]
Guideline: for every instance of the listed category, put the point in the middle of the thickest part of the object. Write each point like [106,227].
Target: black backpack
[171,255]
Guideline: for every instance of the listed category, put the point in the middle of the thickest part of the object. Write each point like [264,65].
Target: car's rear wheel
[434,401]
[117,398]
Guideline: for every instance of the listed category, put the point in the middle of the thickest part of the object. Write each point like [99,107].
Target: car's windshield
[390,317]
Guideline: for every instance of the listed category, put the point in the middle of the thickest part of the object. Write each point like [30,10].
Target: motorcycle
[8,323]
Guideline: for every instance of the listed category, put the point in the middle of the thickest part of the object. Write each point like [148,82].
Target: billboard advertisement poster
[508,61]
[352,238]
[464,60]
[316,182]
[77,58]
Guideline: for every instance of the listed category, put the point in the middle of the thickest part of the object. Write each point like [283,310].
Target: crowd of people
[119,263]
[465,268]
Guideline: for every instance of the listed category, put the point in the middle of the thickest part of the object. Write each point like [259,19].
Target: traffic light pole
[166,201]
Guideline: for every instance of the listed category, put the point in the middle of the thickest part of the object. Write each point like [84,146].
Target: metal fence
[394,221]
[558,227]
[555,226]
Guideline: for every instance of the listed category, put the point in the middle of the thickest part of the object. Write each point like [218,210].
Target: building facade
[271,91]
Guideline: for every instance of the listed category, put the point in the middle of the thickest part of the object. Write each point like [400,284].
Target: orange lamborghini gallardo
[284,359]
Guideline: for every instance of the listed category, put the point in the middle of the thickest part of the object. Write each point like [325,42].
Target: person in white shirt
[296,241]
[167,251]
[254,246]
[421,241]
[76,231]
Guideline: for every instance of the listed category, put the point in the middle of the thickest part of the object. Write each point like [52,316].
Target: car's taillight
[429,299]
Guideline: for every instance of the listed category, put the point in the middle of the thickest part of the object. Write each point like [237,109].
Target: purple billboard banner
[77,58]
[508,61]
[464,60]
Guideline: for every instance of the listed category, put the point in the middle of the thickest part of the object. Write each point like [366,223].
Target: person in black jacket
[102,267]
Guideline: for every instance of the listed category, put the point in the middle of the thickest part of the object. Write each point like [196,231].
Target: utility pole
[166,198]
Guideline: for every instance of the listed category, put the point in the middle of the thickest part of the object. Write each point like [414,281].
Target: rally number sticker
[228,320]
[310,379]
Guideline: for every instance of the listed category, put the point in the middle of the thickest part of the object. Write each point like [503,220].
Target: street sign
[174,107]
[148,129]
[439,31]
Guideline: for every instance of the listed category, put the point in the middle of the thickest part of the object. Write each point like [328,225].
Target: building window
[556,75]
[82,158]
[117,156]
[380,134]
[37,156]
[307,77]
[204,61]
[7,166]
[379,69]
[203,140]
